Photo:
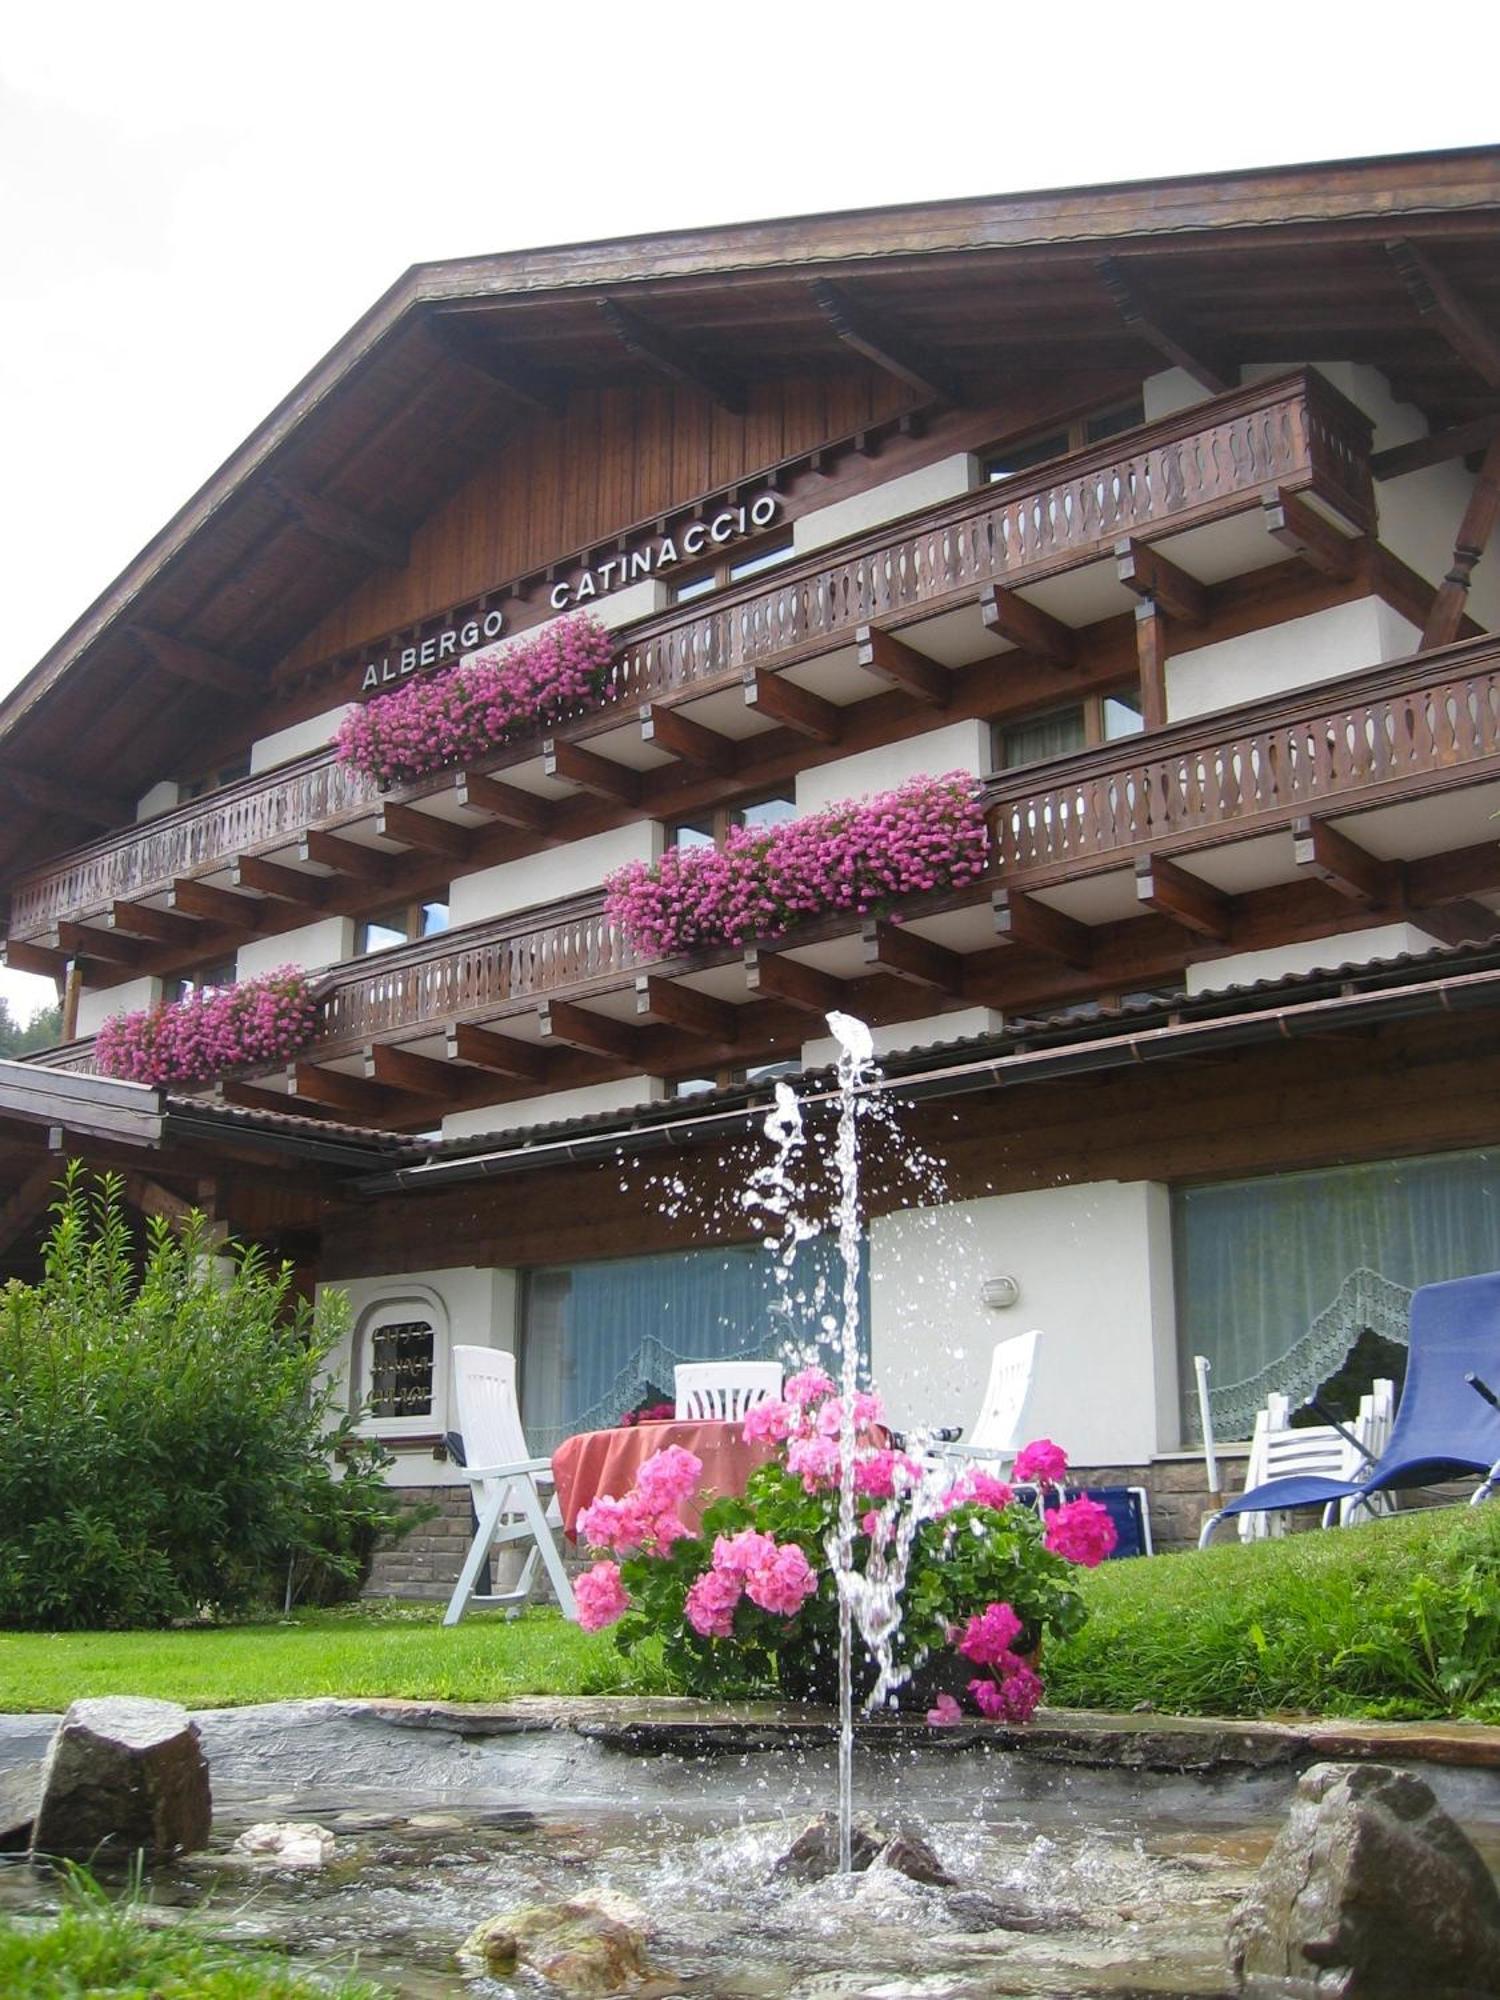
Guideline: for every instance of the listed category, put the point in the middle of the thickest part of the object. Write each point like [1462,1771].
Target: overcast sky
[197,201]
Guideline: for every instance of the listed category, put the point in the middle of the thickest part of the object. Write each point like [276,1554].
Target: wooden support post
[776,977]
[891,659]
[664,352]
[1187,899]
[423,831]
[1023,919]
[1151,656]
[795,707]
[339,526]
[1322,850]
[1026,625]
[1481,515]
[596,1034]
[592,773]
[895,949]
[285,885]
[1290,521]
[215,905]
[197,664]
[863,331]
[141,920]
[1146,571]
[346,857]
[1180,348]
[402,1069]
[527,1062]
[367,1102]
[1466,331]
[83,941]
[686,1008]
[506,803]
[680,736]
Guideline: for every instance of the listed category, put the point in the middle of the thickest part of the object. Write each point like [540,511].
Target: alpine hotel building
[1160,511]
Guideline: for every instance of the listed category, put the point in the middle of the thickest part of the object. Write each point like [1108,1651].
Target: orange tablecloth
[598,1462]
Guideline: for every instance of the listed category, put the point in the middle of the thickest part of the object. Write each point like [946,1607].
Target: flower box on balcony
[453,718]
[216,1029]
[863,855]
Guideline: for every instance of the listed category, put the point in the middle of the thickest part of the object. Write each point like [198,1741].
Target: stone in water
[124,1773]
[290,1843]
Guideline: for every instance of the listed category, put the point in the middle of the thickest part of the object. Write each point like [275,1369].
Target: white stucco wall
[958,746]
[327,942]
[926,486]
[467,1306]
[94,1009]
[1172,390]
[1247,968]
[621,1095]
[1343,639]
[161,798]
[911,1034]
[551,874]
[1094,1266]
[299,740]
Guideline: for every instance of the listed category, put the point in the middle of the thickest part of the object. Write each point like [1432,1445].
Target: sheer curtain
[1277,1278]
[597,1337]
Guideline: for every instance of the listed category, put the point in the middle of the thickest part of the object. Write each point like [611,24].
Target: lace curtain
[597,1337]
[1277,1278]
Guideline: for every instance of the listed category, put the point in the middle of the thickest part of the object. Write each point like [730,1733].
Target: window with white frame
[399,1378]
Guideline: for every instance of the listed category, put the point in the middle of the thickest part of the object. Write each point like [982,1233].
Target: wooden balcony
[697,694]
[1300,817]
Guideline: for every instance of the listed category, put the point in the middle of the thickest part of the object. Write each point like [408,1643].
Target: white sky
[196,201]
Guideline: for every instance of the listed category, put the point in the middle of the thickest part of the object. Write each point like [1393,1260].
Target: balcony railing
[1296,433]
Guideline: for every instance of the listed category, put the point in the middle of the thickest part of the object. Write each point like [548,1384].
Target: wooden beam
[1466,332]
[83,941]
[1156,331]
[863,331]
[592,773]
[1307,535]
[506,803]
[1023,919]
[424,832]
[1150,574]
[529,1062]
[402,1069]
[893,948]
[1455,442]
[538,389]
[1320,849]
[597,1034]
[776,977]
[797,708]
[693,742]
[285,885]
[1027,625]
[891,659]
[30,1200]
[258,1097]
[73,800]
[215,905]
[140,920]
[339,526]
[1481,516]
[1187,899]
[204,668]
[345,857]
[22,956]
[686,1008]
[151,1198]
[1151,662]
[343,1093]
[664,352]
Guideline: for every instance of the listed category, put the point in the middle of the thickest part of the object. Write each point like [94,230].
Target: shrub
[165,1433]
[861,855]
[214,1029]
[453,717]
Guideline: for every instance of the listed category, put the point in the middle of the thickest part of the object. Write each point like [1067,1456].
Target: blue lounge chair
[1444,1427]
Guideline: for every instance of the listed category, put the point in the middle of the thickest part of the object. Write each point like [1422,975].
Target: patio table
[598,1462]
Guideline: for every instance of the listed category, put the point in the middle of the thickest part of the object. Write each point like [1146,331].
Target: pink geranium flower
[711,1602]
[1043,1462]
[600,1597]
[1082,1532]
[987,1639]
[784,1583]
[668,1477]
[214,1029]
[769,1422]
[944,1712]
[810,1386]
[815,1460]
[1013,1699]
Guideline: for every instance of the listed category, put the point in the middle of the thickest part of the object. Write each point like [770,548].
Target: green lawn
[1399,1618]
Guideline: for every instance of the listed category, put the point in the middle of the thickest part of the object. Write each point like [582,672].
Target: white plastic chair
[998,1432]
[1314,1451]
[505,1480]
[722,1391]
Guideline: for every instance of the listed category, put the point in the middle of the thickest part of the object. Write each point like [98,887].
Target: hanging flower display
[214,1029]
[861,855]
[453,718]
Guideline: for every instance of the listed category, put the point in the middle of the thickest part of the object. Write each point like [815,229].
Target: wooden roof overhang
[1215,272]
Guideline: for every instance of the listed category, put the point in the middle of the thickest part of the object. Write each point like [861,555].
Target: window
[401,1361]
[402,925]
[1060,731]
[708,829]
[737,569]
[398,1383]
[1006,460]
[201,977]
[214,780]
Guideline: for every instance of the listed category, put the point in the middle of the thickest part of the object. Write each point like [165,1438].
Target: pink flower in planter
[214,1029]
[784,1583]
[710,1604]
[945,1711]
[987,1639]
[621,1525]
[808,1387]
[600,1596]
[768,1423]
[738,1555]
[815,1460]
[1042,1461]
[667,1477]
[1082,1532]
[1013,1699]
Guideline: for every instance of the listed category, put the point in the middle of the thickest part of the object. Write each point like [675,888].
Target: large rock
[586,1948]
[123,1773]
[1370,1892]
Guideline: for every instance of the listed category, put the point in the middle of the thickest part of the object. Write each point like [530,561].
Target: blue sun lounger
[1446,1425]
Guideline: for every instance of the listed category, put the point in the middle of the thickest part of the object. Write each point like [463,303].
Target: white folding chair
[1279,1450]
[505,1480]
[722,1391]
[998,1432]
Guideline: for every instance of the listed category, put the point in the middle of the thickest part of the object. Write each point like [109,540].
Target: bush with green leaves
[169,1447]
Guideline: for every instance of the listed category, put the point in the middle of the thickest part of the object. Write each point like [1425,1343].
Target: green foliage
[163,1432]
[1397,1618]
[98,1950]
[40,1032]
